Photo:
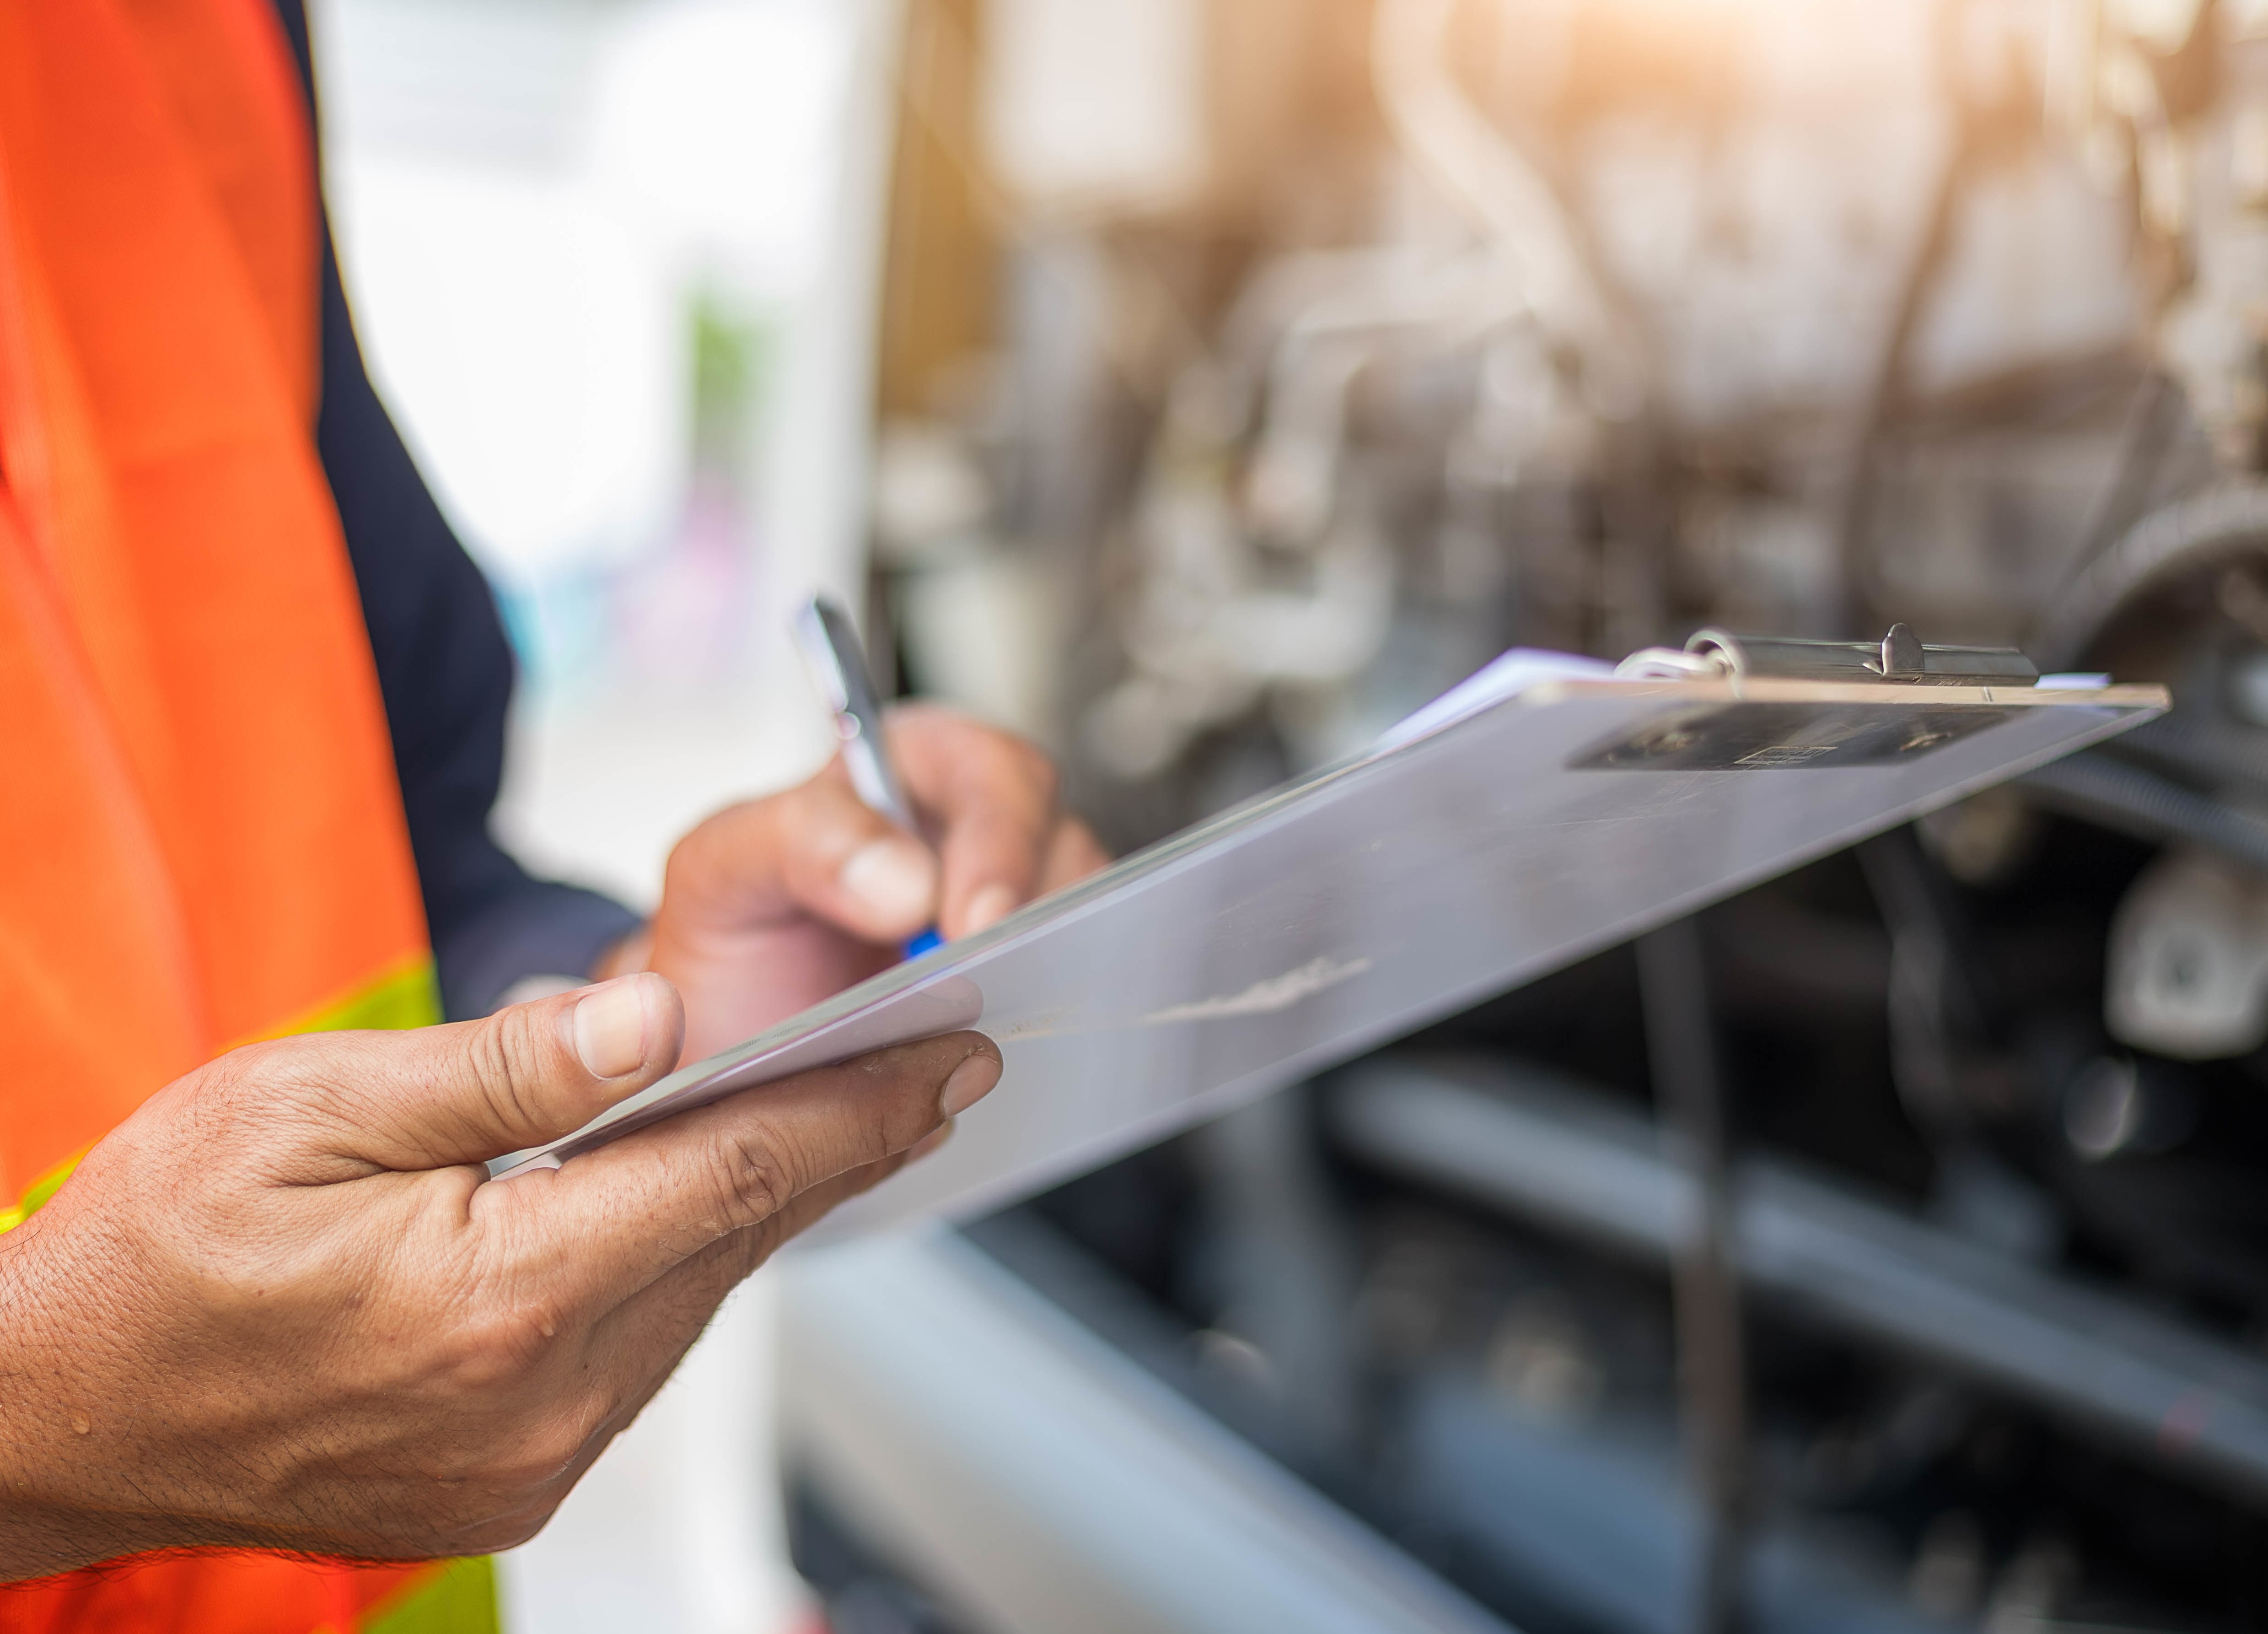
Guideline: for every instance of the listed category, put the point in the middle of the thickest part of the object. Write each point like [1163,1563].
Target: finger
[631,1352]
[816,848]
[650,1329]
[992,798]
[611,1222]
[1073,855]
[435,1097]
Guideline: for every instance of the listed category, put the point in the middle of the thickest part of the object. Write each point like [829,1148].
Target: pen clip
[838,662]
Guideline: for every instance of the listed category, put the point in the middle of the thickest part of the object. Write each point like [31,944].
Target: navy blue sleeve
[446,673]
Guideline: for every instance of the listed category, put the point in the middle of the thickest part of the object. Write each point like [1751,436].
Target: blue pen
[838,663]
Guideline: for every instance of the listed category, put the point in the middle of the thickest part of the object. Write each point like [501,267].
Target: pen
[838,663]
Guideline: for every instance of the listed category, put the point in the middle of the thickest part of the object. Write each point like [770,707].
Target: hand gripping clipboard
[1548,810]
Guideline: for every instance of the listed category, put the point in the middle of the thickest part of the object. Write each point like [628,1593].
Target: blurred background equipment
[1889,1248]
[1198,385]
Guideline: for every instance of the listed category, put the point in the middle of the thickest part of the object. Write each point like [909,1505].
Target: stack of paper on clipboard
[1551,807]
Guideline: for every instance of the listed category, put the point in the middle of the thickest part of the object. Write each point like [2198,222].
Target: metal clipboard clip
[1790,703]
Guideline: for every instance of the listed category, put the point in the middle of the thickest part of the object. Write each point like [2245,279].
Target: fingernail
[610,1027]
[988,906]
[970,1083]
[928,1142]
[894,878]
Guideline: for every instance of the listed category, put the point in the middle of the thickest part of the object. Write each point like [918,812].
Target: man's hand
[773,906]
[281,1307]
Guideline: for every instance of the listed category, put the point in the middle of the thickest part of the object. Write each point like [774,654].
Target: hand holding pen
[959,772]
[775,903]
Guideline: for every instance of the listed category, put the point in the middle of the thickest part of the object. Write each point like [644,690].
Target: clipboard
[1547,810]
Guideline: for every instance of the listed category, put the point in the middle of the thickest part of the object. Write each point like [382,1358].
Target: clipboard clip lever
[1900,656]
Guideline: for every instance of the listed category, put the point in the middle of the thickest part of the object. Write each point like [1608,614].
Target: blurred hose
[1886,395]
[2140,802]
[2226,520]
[1681,1047]
[1486,176]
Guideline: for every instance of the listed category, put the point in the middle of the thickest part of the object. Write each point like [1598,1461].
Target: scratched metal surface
[1378,895]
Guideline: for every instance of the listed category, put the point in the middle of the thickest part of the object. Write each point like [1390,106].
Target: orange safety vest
[202,840]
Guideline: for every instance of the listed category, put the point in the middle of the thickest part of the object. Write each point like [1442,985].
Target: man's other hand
[282,1306]
[772,906]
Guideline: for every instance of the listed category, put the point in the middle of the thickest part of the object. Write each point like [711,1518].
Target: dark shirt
[446,675]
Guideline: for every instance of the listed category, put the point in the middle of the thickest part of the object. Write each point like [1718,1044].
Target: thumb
[467,1092]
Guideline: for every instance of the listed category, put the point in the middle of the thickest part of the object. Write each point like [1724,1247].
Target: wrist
[49,1521]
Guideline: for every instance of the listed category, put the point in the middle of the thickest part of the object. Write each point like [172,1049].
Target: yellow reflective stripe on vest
[39,1191]
[406,994]
[459,1599]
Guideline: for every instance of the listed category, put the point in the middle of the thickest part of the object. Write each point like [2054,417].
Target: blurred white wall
[532,199]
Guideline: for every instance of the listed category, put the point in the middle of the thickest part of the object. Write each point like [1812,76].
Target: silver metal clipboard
[1387,892]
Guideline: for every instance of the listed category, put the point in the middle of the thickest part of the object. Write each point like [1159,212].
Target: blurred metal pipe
[1038,1480]
[2134,800]
[1518,1141]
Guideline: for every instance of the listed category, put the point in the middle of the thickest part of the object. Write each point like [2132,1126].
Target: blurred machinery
[1889,1248]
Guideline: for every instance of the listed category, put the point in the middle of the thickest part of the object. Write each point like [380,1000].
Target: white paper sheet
[1521,823]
